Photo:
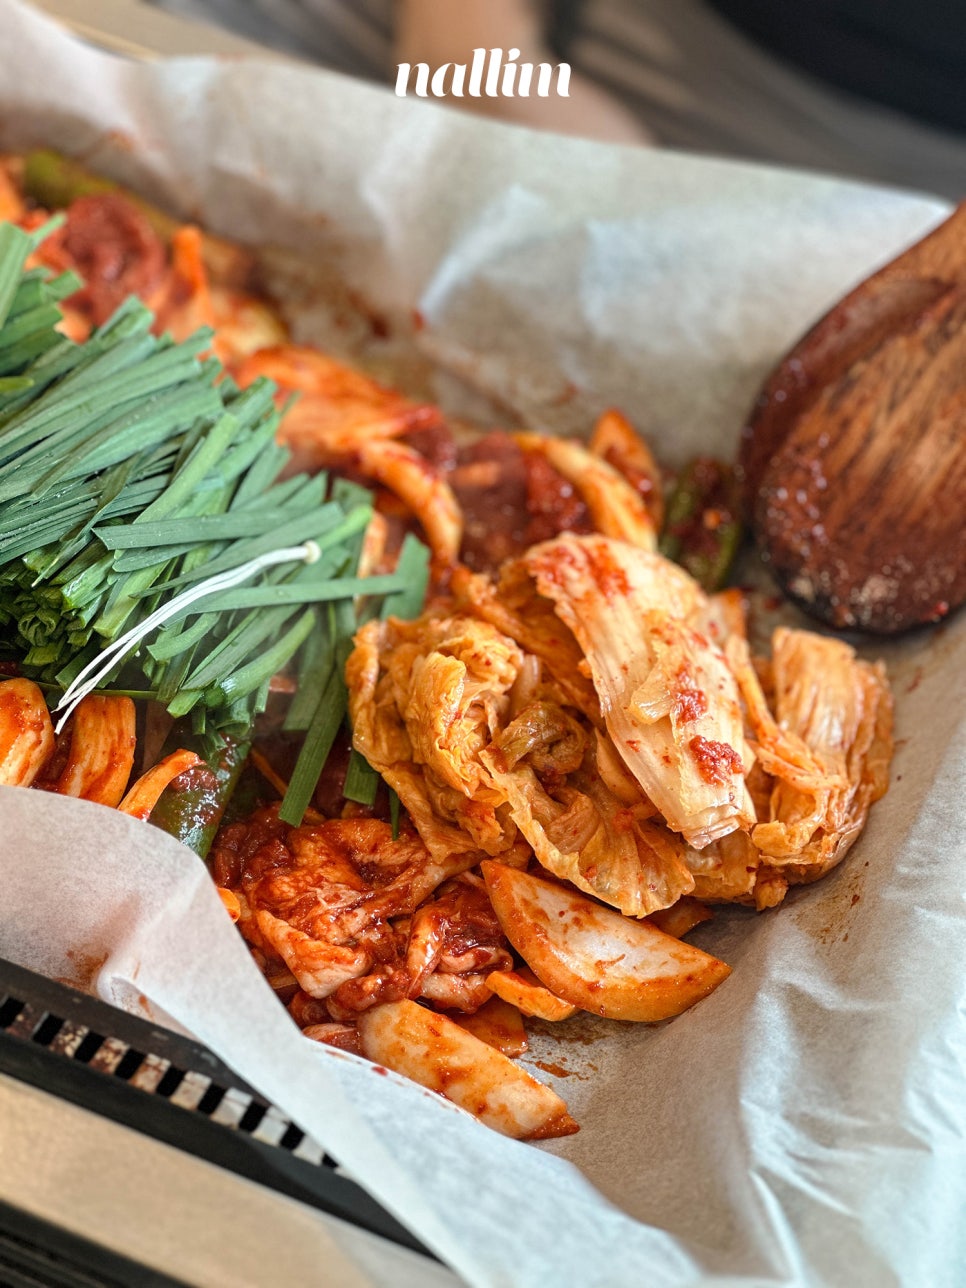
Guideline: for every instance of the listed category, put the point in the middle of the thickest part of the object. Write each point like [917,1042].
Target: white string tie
[87,680]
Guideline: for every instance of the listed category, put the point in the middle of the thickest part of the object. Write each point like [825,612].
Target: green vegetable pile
[132,468]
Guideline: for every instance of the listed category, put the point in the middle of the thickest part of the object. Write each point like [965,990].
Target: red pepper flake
[717,761]
[689,704]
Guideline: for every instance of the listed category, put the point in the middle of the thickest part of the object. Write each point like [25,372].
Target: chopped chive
[299,593]
[164,532]
[412,569]
[361,780]
[328,717]
[15,246]
[248,678]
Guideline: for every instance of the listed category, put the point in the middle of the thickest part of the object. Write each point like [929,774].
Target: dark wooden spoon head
[853,460]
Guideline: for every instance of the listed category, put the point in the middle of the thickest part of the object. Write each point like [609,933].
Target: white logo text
[491,74]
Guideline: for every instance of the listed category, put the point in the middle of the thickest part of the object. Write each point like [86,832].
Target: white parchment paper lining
[805,1124]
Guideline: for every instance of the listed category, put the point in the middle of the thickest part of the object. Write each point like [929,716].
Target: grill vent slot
[128,1065]
[88,1047]
[10,1008]
[47,1030]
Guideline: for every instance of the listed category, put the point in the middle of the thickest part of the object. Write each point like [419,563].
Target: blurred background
[865,88]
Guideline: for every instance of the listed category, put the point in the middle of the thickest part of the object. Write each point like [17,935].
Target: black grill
[172,1088]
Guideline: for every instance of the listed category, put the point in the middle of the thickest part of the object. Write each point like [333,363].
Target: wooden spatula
[854,457]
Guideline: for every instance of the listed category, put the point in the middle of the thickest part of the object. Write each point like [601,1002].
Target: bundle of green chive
[132,468]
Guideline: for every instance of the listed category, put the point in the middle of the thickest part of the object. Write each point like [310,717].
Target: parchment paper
[806,1123]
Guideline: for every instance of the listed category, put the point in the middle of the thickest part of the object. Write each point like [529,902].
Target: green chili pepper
[191,808]
[702,531]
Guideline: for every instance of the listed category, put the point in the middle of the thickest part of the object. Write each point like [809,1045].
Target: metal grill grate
[224,1100]
[172,1088]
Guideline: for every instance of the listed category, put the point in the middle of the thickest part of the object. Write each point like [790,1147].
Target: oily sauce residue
[557,1070]
[87,967]
[840,908]
[577,1033]
[915,681]
[582,1029]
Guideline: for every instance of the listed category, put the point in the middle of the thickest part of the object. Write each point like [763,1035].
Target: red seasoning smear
[689,701]
[717,761]
[608,573]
